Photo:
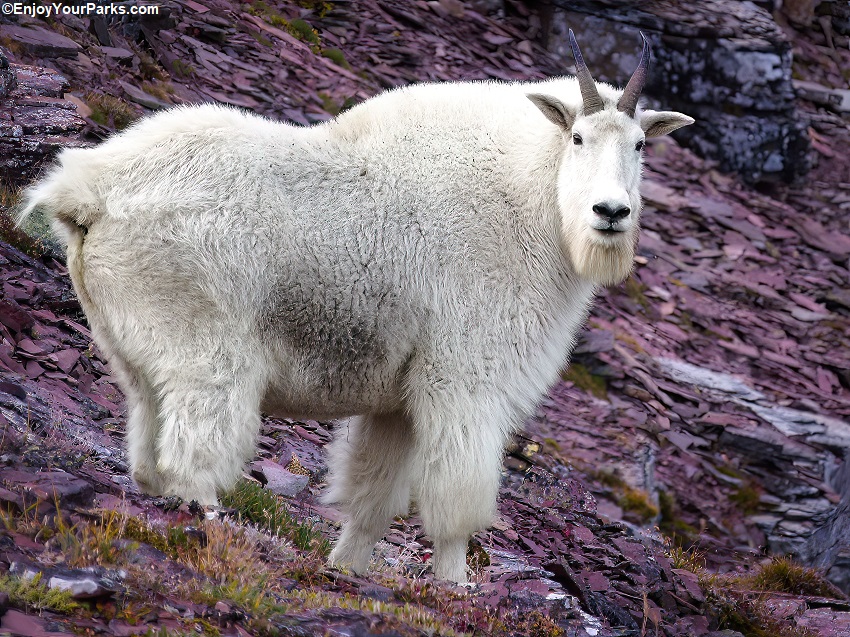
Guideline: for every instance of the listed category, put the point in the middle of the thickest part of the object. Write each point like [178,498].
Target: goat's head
[599,177]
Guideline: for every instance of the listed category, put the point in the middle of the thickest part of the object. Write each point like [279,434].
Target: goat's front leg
[461,460]
[370,474]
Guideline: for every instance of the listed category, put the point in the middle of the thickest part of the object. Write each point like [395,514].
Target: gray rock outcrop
[724,62]
[35,120]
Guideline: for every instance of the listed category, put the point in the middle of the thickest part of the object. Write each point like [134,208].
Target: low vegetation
[259,506]
[27,242]
[181,69]
[670,523]
[337,57]
[783,575]
[110,111]
[739,601]
[637,503]
[33,594]
[747,498]
[583,378]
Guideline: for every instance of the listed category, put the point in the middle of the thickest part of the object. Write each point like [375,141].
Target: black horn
[628,101]
[589,94]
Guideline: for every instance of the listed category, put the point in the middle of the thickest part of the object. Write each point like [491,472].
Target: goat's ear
[657,123]
[554,109]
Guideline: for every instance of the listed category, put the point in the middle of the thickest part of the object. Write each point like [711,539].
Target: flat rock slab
[137,95]
[278,479]
[35,123]
[122,55]
[17,623]
[833,98]
[825,622]
[41,42]
[48,486]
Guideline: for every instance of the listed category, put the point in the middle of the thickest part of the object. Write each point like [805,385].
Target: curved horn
[589,94]
[628,101]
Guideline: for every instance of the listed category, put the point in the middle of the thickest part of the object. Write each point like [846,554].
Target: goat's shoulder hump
[196,119]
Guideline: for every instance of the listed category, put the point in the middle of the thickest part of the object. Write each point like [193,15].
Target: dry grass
[688,559]
[739,602]
[783,575]
[110,111]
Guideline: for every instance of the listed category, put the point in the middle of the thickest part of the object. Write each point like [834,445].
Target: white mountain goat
[422,263]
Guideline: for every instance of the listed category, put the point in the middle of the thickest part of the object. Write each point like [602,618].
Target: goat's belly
[319,391]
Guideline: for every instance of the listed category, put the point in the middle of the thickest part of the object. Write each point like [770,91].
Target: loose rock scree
[419,265]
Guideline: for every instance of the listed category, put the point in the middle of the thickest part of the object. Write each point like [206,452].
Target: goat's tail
[66,193]
[66,198]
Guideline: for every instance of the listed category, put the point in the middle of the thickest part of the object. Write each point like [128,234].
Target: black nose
[605,211]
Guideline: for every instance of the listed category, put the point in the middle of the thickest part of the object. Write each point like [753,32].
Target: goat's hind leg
[209,408]
[142,426]
[370,474]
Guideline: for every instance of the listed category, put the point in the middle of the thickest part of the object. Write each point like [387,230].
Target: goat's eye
[577,140]
[639,146]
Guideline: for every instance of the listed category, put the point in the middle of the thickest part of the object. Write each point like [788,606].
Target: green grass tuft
[688,559]
[260,506]
[32,594]
[337,57]
[302,30]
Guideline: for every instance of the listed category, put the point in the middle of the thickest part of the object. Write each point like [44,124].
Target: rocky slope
[710,394]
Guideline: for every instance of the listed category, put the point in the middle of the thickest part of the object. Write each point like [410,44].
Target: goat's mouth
[610,231]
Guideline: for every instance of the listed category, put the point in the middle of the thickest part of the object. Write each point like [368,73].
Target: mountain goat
[421,264]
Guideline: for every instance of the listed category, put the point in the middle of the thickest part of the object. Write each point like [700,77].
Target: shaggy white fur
[422,263]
